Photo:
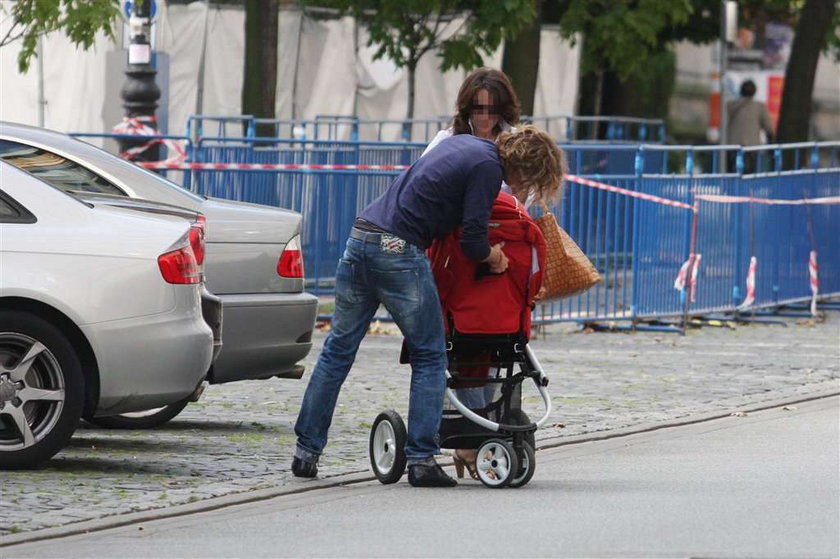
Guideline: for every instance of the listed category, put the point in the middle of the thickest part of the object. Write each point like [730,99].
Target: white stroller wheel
[496,463]
[527,465]
[387,447]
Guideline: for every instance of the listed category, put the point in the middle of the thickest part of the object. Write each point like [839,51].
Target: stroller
[488,322]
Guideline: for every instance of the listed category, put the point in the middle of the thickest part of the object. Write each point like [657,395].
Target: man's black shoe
[422,475]
[304,468]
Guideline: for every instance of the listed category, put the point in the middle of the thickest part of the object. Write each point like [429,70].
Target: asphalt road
[761,485]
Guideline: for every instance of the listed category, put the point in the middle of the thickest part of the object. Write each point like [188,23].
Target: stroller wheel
[496,463]
[527,464]
[519,417]
[387,447]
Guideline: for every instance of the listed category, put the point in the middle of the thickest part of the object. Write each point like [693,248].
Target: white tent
[324,68]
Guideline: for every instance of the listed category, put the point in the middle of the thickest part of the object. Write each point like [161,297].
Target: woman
[486,106]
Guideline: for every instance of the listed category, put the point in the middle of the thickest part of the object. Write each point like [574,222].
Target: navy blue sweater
[454,184]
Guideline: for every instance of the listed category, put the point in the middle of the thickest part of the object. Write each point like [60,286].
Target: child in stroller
[488,322]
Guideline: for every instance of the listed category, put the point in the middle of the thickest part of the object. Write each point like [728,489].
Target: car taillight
[179,265]
[197,232]
[290,264]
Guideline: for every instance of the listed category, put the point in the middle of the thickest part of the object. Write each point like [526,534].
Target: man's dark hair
[748,88]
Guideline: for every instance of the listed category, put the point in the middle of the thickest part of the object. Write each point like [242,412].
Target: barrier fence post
[639,165]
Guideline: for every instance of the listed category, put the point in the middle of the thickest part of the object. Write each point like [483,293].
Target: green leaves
[621,34]
[405,30]
[80,20]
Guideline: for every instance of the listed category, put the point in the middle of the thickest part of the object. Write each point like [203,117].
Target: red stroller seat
[481,303]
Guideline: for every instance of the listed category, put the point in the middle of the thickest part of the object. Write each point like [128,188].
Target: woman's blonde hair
[532,153]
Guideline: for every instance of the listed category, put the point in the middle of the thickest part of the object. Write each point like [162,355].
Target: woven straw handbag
[567,271]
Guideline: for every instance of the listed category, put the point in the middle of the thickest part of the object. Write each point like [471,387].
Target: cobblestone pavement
[239,437]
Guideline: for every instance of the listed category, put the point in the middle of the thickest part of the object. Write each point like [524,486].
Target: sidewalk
[239,437]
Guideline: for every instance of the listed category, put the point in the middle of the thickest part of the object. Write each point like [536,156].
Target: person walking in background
[384,263]
[746,118]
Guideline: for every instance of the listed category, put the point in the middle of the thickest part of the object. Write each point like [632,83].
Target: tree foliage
[80,20]
[405,30]
[620,35]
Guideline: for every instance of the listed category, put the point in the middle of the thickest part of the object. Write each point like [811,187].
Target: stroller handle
[541,382]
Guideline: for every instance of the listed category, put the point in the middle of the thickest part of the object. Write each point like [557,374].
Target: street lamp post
[728,31]
[140,93]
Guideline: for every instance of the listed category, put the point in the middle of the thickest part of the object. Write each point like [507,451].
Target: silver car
[100,311]
[253,263]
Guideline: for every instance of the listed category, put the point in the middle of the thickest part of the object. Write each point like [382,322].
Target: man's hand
[497,259]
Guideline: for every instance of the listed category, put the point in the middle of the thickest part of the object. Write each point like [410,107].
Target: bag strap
[545,209]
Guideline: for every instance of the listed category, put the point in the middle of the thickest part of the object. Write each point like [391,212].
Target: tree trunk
[260,80]
[409,113]
[598,101]
[811,32]
[521,61]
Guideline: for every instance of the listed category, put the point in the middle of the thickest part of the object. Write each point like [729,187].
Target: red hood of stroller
[492,304]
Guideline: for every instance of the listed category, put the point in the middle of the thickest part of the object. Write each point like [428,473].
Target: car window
[7,211]
[55,170]
[12,212]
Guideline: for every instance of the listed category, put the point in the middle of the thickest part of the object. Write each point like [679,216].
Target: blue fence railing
[638,245]
[611,129]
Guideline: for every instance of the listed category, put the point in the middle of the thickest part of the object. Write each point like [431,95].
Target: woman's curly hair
[533,154]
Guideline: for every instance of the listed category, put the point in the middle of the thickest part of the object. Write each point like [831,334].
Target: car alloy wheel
[41,390]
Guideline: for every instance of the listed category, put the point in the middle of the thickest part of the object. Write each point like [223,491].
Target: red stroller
[488,323]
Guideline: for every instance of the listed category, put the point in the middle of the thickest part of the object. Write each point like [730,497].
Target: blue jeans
[403,283]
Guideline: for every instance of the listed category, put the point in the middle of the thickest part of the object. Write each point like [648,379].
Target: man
[384,262]
[746,118]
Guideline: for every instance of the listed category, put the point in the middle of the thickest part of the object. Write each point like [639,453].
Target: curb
[822,390]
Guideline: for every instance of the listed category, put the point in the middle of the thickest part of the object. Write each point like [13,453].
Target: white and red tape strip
[140,126]
[750,298]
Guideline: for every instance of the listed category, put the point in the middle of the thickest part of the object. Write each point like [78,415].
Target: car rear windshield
[55,170]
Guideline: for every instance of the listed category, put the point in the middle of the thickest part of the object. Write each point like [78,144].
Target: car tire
[147,419]
[41,390]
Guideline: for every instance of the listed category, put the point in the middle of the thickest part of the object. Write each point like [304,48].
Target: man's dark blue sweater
[454,184]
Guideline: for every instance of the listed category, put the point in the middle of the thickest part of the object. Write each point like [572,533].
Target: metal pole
[722,84]
[140,93]
[199,94]
[42,102]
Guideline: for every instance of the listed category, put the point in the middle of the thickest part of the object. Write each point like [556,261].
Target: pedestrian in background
[384,263]
[746,118]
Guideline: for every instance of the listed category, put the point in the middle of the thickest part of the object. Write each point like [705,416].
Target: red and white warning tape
[773,201]
[814,280]
[631,193]
[679,284]
[750,298]
[137,126]
[176,166]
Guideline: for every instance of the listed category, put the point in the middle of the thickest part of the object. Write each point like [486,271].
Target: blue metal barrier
[638,245]
[605,129]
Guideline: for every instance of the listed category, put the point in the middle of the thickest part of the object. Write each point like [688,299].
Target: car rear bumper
[265,335]
[211,310]
[154,360]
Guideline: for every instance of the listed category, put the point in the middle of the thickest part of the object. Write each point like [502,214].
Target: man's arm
[766,124]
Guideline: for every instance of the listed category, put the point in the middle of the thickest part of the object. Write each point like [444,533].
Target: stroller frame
[501,432]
